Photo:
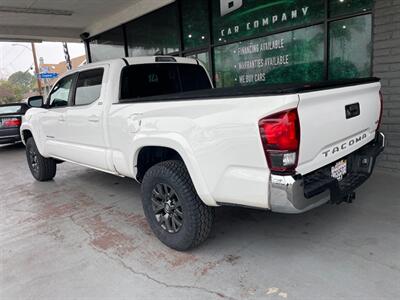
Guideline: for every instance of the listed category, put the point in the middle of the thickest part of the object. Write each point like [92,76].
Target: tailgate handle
[352,110]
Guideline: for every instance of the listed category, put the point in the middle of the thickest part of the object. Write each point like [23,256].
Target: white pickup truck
[285,148]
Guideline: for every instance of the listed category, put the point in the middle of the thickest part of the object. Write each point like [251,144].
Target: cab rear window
[148,80]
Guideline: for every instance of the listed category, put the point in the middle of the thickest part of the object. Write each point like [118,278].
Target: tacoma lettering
[344,145]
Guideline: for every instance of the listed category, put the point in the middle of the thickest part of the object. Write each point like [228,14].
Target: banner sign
[236,19]
[293,56]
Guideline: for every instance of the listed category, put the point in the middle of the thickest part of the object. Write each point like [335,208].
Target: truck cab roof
[137,61]
[145,60]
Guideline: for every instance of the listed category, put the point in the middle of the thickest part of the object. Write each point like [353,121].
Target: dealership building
[251,42]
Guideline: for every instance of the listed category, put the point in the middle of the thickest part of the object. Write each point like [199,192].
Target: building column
[386,65]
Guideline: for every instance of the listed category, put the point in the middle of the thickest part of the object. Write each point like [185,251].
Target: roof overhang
[66,20]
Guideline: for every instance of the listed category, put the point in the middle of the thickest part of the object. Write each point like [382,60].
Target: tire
[196,218]
[42,169]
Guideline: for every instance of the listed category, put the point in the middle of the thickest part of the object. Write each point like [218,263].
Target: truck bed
[267,90]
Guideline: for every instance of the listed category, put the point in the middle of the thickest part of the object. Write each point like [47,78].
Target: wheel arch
[25,135]
[163,150]
[149,156]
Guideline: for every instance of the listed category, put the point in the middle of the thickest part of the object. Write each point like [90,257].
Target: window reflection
[108,45]
[155,33]
[195,23]
[350,48]
[342,7]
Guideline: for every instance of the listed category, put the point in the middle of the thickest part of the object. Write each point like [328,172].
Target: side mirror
[35,101]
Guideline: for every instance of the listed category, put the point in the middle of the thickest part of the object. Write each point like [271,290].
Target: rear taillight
[12,122]
[381,112]
[280,135]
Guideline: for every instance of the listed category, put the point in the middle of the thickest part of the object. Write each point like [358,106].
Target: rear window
[11,109]
[160,79]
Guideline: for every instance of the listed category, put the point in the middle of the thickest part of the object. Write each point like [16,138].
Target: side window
[60,93]
[88,86]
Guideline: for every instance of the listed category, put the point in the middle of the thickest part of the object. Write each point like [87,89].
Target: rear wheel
[42,169]
[172,207]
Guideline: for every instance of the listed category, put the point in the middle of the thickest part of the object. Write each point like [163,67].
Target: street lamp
[33,50]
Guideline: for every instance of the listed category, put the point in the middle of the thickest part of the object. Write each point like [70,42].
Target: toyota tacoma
[287,148]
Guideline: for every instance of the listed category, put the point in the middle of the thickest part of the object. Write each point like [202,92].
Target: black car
[10,122]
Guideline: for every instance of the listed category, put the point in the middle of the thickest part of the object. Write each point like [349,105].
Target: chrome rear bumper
[287,196]
[290,194]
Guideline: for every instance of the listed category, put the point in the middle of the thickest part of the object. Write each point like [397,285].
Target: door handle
[93,119]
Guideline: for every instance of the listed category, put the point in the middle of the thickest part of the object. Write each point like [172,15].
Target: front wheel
[42,168]
[172,207]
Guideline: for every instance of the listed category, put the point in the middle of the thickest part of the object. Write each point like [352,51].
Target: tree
[6,92]
[10,92]
[18,84]
[22,79]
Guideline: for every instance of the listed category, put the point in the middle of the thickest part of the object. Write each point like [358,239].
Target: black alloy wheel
[42,168]
[176,214]
[33,160]
[167,208]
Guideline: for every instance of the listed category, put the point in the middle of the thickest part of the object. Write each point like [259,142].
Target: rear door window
[147,80]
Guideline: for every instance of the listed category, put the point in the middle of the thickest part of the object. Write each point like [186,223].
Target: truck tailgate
[336,122]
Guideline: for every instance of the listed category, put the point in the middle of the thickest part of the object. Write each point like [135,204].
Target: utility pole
[39,83]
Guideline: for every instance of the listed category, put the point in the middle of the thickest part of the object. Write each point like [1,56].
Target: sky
[15,57]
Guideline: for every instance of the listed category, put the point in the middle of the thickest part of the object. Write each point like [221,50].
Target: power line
[18,55]
[5,57]
[7,66]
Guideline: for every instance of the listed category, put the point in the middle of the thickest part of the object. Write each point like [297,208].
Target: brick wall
[386,65]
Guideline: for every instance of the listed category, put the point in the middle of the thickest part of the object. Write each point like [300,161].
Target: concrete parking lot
[84,236]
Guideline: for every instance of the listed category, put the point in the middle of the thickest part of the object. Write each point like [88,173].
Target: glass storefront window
[236,19]
[342,7]
[107,45]
[294,56]
[195,23]
[155,33]
[204,58]
[350,48]
[243,52]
